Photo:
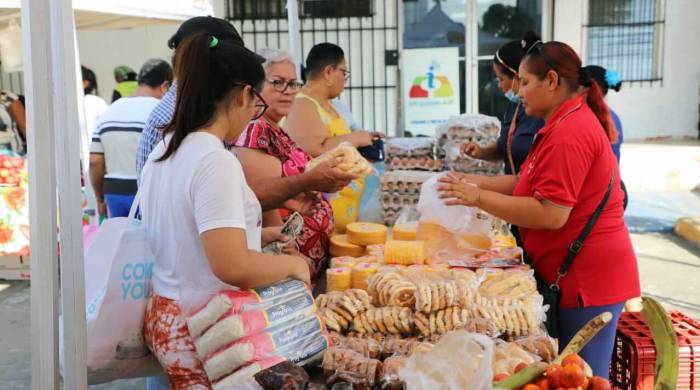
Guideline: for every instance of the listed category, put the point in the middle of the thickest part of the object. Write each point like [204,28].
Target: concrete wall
[659,109]
[101,51]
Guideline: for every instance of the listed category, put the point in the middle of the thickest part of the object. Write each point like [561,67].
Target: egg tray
[415,163]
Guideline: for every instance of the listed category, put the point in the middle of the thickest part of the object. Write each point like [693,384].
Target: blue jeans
[157,383]
[598,352]
[118,205]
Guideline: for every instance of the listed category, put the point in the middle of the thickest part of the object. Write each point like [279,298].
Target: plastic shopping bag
[451,232]
[118,270]
[440,368]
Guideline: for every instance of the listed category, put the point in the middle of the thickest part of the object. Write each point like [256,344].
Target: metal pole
[294,27]
[38,81]
[471,60]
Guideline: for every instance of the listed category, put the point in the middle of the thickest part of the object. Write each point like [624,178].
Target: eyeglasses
[346,73]
[281,85]
[260,106]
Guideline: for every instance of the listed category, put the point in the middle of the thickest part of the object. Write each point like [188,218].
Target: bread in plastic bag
[450,231]
[339,359]
[508,356]
[235,326]
[541,345]
[389,374]
[235,301]
[347,158]
[460,360]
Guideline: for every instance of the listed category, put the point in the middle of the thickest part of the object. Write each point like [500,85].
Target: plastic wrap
[347,158]
[441,369]
[389,373]
[340,309]
[456,161]
[507,357]
[513,317]
[387,320]
[230,302]
[410,147]
[451,232]
[477,128]
[283,376]
[541,345]
[339,359]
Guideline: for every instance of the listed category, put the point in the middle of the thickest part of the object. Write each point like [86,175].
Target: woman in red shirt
[561,183]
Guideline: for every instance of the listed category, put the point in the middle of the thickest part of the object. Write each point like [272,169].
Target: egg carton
[395,200]
[415,163]
[420,147]
[404,181]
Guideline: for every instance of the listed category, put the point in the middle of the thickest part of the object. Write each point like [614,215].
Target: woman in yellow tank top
[317,127]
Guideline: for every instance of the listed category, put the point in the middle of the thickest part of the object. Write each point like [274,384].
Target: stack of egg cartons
[468,128]
[410,162]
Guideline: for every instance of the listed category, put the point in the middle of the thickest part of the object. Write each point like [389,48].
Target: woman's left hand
[457,192]
[272,234]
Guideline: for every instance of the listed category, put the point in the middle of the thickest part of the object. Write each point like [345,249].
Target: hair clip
[214,41]
[612,77]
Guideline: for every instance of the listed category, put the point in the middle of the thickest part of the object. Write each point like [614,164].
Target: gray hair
[275,56]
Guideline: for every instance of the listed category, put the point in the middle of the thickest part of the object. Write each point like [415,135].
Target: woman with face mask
[517,128]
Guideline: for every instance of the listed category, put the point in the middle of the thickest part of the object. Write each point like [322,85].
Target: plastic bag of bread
[389,374]
[230,302]
[340,359]
[541,345]
[297,342]
[347,159]
[508,358]
[440,368]
[513,283]
[514,318]
[450,231]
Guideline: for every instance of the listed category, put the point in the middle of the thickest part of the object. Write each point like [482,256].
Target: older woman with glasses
[317,126]
[267,153]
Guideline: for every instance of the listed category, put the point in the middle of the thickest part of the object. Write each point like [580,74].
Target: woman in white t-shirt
[202,220]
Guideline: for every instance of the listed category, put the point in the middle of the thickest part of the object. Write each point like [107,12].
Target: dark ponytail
[509,56]
[562,59]
[208,72]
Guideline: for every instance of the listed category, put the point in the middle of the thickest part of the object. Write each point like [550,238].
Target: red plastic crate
[634,355]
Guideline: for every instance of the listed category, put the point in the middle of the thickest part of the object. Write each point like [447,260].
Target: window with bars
[627,36]
[276,9]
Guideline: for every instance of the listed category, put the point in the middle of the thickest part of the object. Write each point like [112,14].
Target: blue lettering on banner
[136,281]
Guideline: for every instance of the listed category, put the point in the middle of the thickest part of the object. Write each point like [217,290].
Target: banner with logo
[430,88]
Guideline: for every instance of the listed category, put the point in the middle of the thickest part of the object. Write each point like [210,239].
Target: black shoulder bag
[552,292]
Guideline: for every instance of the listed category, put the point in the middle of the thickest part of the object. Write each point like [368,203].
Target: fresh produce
[666,343]
[538,376]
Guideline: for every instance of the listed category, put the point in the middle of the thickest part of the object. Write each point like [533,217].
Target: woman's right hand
[300,270]
[473,150]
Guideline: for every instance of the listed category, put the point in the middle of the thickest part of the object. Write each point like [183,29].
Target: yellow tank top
[345,203]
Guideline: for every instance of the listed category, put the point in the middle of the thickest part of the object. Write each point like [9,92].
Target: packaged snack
[361,273]
[343,261]
[347,158]
[340,246]
[366,233]
[338,359]
[338,279]
[283,376]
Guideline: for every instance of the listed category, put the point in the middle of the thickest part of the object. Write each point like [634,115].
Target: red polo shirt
[570,165]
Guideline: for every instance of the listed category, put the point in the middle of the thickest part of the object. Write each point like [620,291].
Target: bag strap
[577,245]
[135,204]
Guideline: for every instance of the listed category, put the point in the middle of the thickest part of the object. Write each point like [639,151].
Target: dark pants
[598,352]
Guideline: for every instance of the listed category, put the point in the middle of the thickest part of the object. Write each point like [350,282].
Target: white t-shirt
[199,188]
[93,106]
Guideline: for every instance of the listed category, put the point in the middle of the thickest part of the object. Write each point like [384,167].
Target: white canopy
[117,14]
